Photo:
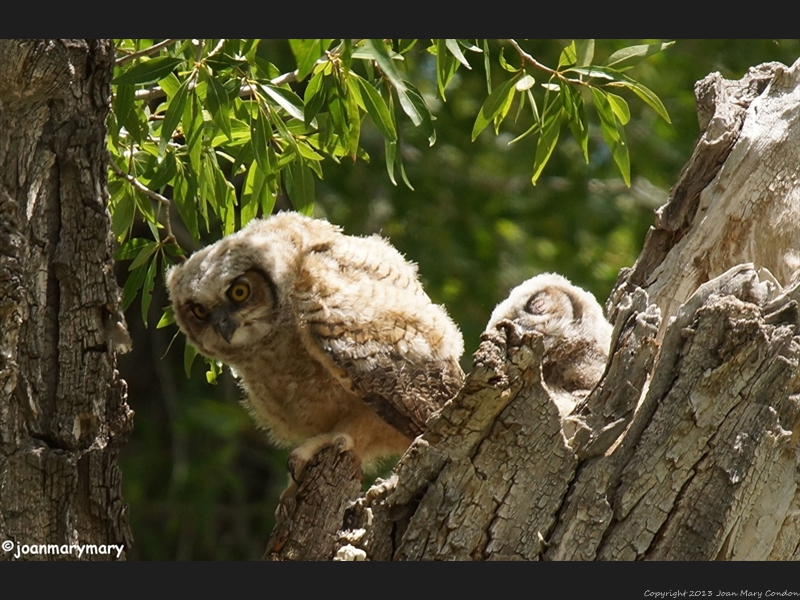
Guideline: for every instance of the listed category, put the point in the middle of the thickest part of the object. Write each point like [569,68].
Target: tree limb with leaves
[210,133]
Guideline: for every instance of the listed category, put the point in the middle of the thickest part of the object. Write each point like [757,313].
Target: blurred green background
[202,482]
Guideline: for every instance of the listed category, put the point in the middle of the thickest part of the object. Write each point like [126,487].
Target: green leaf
[225,198]
[123,103]
[585,52]
[300,187]
[147,288]
[148,70]
[223,61]
[446,67]
[354,90]
[395,159]
[132,284]
[306,151]
[260,136]
[193,129]
[306,52]
[487,66]
[213,372]
[183,191]
[506,66]
[254,187]
[414,106]
[613,134]
[131,248]
[390,148]
[577,120]
[377,109]
[551,127]
[288,100]
[498,119]
[534,107]
[124,210]
[352,103]
[189,354]
[399,160]
[569,55]
[170,84]
[405,45]
[525,82]
[174,113]
[345,53]
[167,317]
[314,96]
[620,107]
[494,104]
[283,134]
[165,171]
[647,96]
[217,102]
[377,51]
[144,254]
[634,54]
[268,199]
[596,72]
[452,45]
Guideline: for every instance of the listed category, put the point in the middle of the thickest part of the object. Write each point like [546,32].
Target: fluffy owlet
[332,335]
[576,334]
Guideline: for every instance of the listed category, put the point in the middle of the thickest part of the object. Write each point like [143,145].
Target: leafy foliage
[215,129]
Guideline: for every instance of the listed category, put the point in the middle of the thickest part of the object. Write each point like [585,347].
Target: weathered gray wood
[738,199]
[311,511]
[63,410]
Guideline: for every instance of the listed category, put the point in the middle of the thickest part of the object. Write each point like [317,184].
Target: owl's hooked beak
[223,322]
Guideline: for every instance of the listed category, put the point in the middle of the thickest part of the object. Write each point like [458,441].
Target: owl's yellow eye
[239,292]
[200,311]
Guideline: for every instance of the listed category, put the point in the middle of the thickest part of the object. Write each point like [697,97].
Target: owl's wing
[364,315]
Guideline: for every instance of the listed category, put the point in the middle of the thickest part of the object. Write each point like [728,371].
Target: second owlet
[332,335]
[576,334]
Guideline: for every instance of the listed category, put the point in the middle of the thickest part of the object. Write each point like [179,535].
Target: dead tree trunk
[63,410]
[688,448]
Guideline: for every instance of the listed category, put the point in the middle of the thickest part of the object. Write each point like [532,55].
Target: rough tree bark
[63,410]
[687,449]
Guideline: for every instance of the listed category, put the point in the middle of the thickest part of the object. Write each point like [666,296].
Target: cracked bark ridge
[311,511]
[707,470]
[486,480]
[63,410]
[740,183]
[598,420]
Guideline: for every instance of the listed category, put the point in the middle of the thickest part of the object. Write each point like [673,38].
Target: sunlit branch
[146,52]
[162,200]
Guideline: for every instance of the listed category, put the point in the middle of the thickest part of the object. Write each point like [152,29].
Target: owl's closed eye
[576,334]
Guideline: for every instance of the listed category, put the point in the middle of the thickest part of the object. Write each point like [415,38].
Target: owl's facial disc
[243,315]
[222,317]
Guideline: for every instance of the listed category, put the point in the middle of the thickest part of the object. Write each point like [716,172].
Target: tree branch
[162,200]
[146,52]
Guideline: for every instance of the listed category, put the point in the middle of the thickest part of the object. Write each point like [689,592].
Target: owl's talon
[296,465]
[342,443]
